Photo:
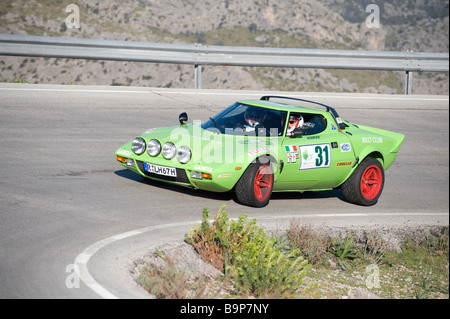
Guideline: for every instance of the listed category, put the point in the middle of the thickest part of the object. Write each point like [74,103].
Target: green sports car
[256,147]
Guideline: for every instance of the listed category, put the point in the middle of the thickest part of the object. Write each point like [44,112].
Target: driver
[253,117]
[295,121]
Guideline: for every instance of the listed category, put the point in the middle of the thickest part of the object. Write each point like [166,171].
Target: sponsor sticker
[346,147]
[124,152]
[203,168]
[346,163]
[150,130]
[291,153]
[315,156]
[258,150]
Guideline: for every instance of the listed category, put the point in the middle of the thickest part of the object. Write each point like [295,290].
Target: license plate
[160,170]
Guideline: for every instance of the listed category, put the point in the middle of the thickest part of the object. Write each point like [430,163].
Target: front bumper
[218,181]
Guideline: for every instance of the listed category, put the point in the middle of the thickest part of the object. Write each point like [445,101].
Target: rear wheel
[365,185]
[256,185]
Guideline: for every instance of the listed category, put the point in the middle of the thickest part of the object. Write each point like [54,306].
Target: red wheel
[365,185]
[263,182]
[371,182]
[255,186]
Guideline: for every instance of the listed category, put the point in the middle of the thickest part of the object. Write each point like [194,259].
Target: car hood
[211,147]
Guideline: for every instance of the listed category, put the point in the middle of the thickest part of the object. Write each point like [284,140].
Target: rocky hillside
[419,25]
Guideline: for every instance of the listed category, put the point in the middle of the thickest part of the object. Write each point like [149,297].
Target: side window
[314,124]
[310,123]
[274,120]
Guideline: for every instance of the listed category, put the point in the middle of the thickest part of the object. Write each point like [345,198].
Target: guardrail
[198,55]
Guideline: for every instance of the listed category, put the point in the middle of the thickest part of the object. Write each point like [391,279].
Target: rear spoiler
[329,108]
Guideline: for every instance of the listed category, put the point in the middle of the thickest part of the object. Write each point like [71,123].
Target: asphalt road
[64,200]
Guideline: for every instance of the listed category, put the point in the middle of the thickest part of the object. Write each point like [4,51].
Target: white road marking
[81,261]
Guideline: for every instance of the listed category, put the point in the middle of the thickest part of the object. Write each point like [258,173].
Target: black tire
[256,185]
[365,185]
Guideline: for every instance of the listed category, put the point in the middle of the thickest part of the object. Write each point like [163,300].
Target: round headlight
[138,145]
[184,154]
[169,150]
[153,147]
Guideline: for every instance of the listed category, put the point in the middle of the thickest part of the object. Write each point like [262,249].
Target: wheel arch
[375,153]
[262,158]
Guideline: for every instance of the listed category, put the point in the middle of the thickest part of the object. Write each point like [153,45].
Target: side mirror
[183,117]
[297,132]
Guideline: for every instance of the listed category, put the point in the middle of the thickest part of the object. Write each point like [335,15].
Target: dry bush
[211,252]
[170,282]
[374,248]
[311,241]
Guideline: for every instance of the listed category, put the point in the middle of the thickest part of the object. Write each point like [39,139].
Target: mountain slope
[420,25]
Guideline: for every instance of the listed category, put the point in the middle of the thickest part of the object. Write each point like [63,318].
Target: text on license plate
[160,170]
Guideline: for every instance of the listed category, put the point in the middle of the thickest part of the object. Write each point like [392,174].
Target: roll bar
[329,108]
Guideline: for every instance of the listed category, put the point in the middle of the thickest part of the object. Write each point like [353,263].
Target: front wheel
[365,185]
[256,185]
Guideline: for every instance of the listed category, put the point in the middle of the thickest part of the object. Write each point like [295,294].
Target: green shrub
[343,249]
[438,243]
[220,239]
[261,269]
[250,258]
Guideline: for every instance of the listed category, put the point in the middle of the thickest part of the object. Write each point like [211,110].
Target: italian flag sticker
[291,153]
[291,148]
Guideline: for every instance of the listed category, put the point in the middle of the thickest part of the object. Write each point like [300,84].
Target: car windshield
[242,119]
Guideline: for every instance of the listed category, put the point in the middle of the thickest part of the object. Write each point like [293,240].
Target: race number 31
[315,156]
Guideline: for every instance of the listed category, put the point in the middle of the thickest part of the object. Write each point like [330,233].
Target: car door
[320,159]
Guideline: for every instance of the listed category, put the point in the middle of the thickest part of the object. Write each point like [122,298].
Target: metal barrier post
[408,83]
[198,77]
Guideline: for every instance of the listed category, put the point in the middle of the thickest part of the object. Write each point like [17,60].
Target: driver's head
[254,116]
[295,121]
